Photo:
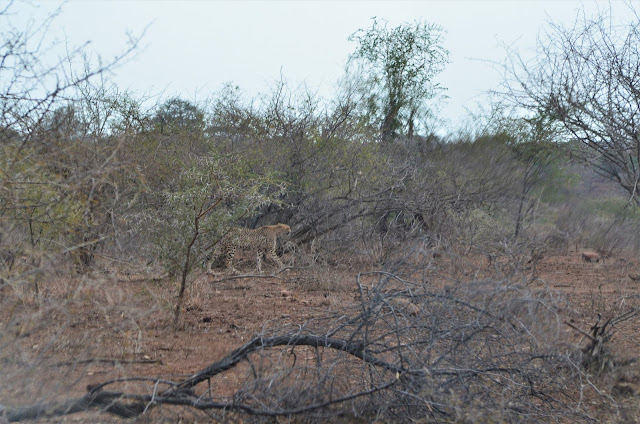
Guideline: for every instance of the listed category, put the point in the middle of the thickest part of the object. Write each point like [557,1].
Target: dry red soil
[89,329]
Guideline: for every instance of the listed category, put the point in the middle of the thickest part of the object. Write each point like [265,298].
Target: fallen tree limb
[404,350]
[109,402]
[259,343]
[128,405]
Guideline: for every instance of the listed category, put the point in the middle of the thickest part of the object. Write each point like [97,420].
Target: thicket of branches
[89,170]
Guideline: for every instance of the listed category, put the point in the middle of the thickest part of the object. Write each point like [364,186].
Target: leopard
[262,240]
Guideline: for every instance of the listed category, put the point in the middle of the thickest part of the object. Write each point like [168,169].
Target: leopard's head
[283,228]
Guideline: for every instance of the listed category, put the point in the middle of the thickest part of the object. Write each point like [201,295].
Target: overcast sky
[191,48]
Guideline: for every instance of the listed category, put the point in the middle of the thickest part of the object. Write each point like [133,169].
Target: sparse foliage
[198,208]
[584,83]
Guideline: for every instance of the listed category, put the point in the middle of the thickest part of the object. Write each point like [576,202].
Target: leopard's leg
[259,257]
[212,258]
[276,259]
[230,253]
[273,255]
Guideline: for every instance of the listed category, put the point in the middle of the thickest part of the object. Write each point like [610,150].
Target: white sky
[191,48]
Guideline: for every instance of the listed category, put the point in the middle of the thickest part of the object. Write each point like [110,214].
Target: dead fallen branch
[108,402]
[127,405]
[403,352]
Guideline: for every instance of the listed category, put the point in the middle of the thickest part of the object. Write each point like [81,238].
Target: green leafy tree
[399,66]
[197,209]
[179,116]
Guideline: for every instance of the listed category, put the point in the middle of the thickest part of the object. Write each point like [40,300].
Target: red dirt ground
[125,321]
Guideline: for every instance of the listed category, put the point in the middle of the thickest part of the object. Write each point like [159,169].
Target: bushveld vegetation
[97,183]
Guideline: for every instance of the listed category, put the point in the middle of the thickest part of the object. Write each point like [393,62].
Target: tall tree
[399,65]
[585,82]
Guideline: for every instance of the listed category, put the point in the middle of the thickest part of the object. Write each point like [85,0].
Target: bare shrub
[601,222]
[581,83]
[609,236]
[557,243]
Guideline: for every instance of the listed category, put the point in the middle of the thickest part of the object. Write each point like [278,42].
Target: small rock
[623,389]
[590,256]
